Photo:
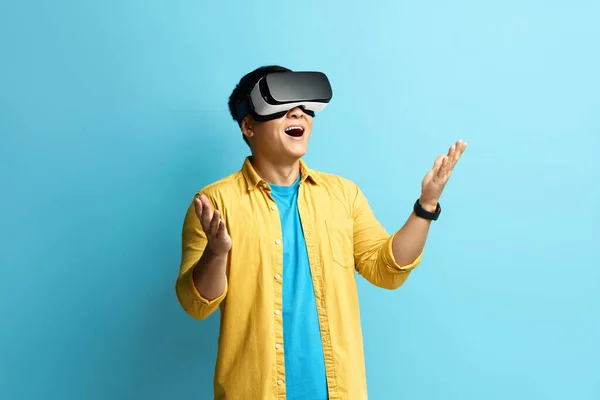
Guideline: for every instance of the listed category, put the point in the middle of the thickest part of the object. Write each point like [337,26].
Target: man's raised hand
[219,241]
[434,182]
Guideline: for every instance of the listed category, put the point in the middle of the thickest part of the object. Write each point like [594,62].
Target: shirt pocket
[341,243]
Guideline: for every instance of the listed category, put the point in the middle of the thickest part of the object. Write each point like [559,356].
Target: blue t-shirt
[303,349]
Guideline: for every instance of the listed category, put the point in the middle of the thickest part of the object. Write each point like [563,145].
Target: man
[275,246]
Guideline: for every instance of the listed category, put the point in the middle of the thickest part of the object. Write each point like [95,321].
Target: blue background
[113,114]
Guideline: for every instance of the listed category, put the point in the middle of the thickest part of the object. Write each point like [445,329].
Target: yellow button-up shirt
[342,235]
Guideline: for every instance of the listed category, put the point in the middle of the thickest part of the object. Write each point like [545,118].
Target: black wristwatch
[432,216]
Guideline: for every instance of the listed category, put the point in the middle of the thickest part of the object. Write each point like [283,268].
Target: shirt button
[277,346]
[273,207]
[277,241]
[277,276]
[277,312]
[280,382]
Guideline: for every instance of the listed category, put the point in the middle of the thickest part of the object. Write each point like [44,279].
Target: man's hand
[434,182]
[219,241]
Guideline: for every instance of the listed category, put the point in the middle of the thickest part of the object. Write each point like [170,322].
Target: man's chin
[298,153]
[297,149]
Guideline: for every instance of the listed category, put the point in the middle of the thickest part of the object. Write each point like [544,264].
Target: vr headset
[277,93]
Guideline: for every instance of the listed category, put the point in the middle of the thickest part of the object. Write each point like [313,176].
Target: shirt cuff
[390,261]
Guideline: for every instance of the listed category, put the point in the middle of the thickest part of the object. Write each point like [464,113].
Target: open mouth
[294,131]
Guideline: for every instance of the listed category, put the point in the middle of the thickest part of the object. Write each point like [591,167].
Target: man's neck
[283,174]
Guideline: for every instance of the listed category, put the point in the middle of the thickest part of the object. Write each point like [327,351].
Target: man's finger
[438,162]
[222,230]
[214,223]
[451,151]
[198,207]
[460,148]
[443,169]
[207,213]
[205,201]
[463,148]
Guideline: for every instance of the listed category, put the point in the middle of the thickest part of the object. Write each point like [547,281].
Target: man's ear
[246,127]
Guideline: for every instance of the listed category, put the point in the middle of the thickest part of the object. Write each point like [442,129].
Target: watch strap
[422,213]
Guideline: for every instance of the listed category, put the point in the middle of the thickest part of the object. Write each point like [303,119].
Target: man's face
[284,139]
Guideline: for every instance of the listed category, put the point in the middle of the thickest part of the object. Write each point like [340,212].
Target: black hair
[246,84]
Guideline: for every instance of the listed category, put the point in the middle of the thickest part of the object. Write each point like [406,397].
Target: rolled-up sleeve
[373,254]
[193,244]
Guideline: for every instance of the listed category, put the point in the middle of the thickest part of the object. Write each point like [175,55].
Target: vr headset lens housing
[277,93]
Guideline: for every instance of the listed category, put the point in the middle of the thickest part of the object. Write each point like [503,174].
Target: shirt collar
[253,180]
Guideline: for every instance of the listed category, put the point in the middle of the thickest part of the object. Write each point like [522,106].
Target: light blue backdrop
[113,113]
